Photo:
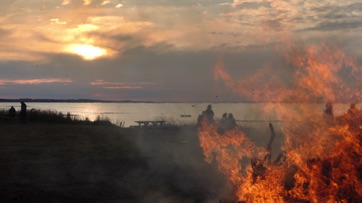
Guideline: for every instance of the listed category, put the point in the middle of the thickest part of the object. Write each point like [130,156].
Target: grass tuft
[48,116]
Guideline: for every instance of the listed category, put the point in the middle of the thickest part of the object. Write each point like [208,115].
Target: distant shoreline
[71,101]
[155,102]
[107,101]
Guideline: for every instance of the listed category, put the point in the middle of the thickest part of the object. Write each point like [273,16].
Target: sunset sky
[158,50]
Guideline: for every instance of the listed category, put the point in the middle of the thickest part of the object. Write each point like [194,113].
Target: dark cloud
[253,5]
[171,3]
[333,26]
[333,17]
[333,8]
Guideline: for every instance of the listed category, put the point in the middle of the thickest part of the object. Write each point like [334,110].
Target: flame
[321,159]
[315,74]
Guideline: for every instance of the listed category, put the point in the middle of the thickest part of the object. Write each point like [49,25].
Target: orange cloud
[102,82]
[34,81]
[66,2]
[87,2]
[28,35]
[121,85]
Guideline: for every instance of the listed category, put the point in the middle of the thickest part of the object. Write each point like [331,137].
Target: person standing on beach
[12,112]
[223,120]
[329,109]
[230,122]
[209,114]
[328,113]
[11,115]
[23,113]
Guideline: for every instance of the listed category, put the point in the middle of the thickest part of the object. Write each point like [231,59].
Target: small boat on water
[185,115]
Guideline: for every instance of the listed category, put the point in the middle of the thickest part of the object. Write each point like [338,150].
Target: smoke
[311,73]
[176,169]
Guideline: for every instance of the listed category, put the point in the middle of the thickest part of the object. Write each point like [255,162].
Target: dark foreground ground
[54,162]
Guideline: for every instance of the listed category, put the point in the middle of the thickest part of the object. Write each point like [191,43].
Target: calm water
[171,112]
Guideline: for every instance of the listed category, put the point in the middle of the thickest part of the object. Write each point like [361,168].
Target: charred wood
[269,145]
[258,169]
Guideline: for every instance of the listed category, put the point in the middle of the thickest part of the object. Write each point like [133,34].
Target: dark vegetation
[52,157]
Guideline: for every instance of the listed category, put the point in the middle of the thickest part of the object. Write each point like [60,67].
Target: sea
[126,114]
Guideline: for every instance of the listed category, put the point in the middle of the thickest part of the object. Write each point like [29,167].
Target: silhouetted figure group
[227,121]
[353,110]
[12,113]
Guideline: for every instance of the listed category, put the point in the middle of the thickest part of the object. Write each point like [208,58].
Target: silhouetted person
[200,118]
[209,114]
[23,113]
[329,109]
[12,112]
[223,123]
[230,122]
[328,112]
[353,110]
[223,120]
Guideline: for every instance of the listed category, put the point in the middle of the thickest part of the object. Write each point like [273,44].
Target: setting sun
[87,52]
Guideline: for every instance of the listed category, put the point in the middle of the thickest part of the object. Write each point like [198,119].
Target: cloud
[35,81]
[187,26]
[30,40]
[253,5]
[105,2]
[172,45]
[66,2]
[336,26]
[103,82]
[87,2]
[335,17]
[121,85]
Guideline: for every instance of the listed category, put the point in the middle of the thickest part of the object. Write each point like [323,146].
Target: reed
[49,116]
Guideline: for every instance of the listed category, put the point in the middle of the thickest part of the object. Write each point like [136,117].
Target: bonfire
[321,155]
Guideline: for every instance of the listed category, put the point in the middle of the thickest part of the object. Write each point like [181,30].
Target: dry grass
[57,161]
[49,159]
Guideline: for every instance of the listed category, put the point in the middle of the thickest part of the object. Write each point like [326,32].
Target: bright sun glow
[88,52]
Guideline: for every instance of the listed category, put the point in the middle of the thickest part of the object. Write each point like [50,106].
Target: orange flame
[322,155]
[310,74]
